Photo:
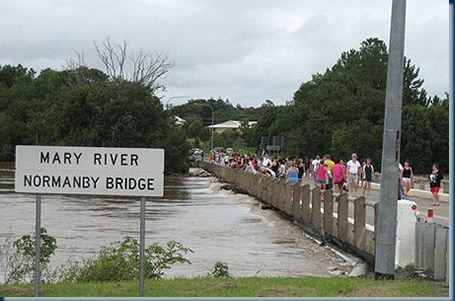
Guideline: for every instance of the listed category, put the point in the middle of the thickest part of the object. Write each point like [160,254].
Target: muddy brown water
[217,225]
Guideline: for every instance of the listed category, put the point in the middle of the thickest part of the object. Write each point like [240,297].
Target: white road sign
[90,170]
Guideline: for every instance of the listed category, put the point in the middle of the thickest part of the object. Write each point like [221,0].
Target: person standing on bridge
[301,168]
[307,168]
[292,174]
[368,171]
[435,184]
[266,161]
[407,177]
[329,163]
[353,170]
[338,176]
[322,178]
[315,164]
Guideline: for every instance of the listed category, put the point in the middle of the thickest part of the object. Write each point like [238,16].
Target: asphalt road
[441,213]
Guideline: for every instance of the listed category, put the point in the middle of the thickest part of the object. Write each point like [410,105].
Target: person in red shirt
[338,176]
[435,184]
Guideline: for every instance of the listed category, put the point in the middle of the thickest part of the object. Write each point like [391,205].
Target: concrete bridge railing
[328,219]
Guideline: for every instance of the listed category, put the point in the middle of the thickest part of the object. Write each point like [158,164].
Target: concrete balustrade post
[316,219]
[359,223]
[328,213]
[376,213]
[275,193]
[288,198]
[342,221]
[305,211]
[296,194]
[268,187]
[281,195]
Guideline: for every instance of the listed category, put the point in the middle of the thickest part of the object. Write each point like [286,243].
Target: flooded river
[217,225]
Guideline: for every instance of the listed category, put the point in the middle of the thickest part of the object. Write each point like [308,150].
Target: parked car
[218,150]
[229,150]
[195,151]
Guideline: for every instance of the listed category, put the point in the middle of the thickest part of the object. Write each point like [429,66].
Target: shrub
[220,270]
[21,261]
[120,261]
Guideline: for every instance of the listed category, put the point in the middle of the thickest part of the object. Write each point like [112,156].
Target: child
[435,184]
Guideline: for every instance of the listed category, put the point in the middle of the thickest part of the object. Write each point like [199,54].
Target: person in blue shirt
[292,174]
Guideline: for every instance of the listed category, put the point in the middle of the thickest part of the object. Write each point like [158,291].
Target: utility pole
[387,216]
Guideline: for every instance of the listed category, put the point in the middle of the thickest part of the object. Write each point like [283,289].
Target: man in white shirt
[353,169]
[315,164]
[266,161]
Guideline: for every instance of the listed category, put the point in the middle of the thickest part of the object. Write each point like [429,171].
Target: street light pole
[211,138]
[213,117]
[174,97]
[387,215]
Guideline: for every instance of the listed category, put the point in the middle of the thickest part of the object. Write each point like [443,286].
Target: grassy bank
[238,287]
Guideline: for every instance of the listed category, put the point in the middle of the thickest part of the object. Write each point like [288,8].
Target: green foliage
[342,111]
[425,138]
[360,136]
[220,270]
[120,261]
[193,127]
[22,264]
[82,108]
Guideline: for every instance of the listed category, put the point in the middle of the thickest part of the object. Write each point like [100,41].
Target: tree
[121,64]
[52,109]
[193,127]
[342,110]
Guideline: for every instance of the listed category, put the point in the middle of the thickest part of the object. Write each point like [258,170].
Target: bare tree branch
[76,68]
[145,67]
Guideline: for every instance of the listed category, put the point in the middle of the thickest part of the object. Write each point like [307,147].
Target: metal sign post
[89,171]
[142,249]
[37,244]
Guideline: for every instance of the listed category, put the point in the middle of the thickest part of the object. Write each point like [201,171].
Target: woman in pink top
[338,175]
[322,177]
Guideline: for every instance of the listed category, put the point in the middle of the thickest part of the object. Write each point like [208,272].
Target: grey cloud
[247,51]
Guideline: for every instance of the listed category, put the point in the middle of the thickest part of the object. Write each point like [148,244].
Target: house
[230,125]
[179,121]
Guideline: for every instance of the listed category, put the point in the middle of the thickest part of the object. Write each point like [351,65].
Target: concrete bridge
[349,223]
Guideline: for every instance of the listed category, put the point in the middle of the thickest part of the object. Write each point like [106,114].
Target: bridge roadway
[441,213]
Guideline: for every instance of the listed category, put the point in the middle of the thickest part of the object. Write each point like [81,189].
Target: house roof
[179,121]
[231,124]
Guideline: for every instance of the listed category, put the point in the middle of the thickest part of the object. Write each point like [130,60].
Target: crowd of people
[343,175]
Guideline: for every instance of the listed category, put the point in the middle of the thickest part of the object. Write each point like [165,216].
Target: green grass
[238,287]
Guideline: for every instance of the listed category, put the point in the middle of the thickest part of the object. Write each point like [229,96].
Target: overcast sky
[243,50]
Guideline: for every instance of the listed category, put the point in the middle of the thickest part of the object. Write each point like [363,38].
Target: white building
[179,121]
[230,125]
